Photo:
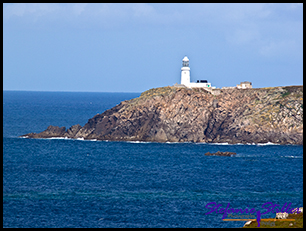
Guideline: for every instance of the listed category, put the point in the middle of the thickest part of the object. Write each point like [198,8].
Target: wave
[138,142]
[292,156]
[58,138]
[260,144]
[230,144]
[219,144]
[269,143]
[65,138]
[246,144]
[21,137]
[168,142]
[82,139]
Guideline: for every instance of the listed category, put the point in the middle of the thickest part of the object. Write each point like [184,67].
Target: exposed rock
[51,131]
[177,114]
[283,215]
[73,130]
[297,210]
[247,223]
[218,153]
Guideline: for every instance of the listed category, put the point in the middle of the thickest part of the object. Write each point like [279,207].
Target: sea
[70,183]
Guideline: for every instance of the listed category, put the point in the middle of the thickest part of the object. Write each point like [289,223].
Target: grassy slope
[298,223]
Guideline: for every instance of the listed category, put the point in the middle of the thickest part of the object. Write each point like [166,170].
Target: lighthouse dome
[185,59]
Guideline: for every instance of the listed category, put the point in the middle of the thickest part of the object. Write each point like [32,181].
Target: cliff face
[180,114]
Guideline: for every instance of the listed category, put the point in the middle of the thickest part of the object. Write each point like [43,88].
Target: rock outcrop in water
[218,153]
[172,114]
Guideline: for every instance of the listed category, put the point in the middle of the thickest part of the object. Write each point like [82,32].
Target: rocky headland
[177,114]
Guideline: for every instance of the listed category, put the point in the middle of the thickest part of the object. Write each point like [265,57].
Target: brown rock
[194,115]
[218,153]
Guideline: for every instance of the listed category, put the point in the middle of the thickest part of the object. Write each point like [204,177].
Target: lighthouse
[185,72]
[185,78]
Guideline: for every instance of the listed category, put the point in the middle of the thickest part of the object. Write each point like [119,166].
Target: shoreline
[142,142]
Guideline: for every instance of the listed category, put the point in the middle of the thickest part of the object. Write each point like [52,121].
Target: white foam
[58,138]
[82,139]
[145,142]
[221,143]
[269,143]
[23,136]
[292,156]
[138,142]
[66,138]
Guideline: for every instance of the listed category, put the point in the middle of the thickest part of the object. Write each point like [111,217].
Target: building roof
[246,82]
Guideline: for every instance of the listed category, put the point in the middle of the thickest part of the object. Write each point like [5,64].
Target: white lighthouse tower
[185,72]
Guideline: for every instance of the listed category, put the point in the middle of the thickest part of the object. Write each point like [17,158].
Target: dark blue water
[74,183]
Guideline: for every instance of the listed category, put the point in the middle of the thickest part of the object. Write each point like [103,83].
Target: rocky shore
[173,114]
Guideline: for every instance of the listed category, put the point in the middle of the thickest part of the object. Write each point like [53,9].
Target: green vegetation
[161,91]
[164,91]
[286,93]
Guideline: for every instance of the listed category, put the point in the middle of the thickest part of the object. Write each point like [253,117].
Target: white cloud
[142,10]
[278,48]
[228,14]
[26,9]
[244,13]
[91,12]
[296,5]
[243,36]
[78,8]
[265,27]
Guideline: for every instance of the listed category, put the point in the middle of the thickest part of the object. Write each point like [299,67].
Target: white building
[244,85]
[185,77]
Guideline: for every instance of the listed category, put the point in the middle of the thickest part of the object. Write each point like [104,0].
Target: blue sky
[135,47]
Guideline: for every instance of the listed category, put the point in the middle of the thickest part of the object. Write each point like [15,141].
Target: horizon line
[75,91]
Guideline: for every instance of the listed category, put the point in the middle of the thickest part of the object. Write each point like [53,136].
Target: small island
[198,112]
[218,153]
[180,114]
